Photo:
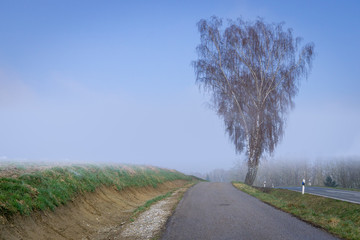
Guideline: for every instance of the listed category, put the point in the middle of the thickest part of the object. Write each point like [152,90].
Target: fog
[113,83]
[114,128]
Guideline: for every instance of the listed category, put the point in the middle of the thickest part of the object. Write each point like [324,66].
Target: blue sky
[112,81]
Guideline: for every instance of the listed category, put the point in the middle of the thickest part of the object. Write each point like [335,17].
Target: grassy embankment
[337,217]
[50,188]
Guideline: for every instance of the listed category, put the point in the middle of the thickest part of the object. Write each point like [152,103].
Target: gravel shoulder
[149,224]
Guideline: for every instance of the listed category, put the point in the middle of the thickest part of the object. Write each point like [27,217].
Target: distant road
[217,211]
[343,195]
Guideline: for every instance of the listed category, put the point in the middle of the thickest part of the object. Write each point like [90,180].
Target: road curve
[339,194]
[220,211]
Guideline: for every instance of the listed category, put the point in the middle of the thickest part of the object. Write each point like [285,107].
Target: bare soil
[150,224]
[89,216]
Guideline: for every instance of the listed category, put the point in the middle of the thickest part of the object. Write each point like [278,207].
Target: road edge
[180,200]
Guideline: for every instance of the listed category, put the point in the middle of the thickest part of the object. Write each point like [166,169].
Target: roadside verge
[151,223]
[95,215]
[337,217]
[76,202]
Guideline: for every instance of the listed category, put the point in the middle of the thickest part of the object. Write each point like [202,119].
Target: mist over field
[87,82]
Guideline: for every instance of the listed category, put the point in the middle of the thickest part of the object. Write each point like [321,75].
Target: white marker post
[303,186]
[265,184]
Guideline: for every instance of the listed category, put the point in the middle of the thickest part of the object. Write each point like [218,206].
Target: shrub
[329,182]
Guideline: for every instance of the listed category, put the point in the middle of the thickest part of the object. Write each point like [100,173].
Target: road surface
[343,195]
[220,211]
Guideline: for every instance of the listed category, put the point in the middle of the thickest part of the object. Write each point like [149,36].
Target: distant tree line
[344,172]
[341,172]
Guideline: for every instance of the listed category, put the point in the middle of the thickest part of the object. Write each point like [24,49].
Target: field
[337,217]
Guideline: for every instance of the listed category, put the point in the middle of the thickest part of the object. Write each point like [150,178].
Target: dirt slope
[89,215]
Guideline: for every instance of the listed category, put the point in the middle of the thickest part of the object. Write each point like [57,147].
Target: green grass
[50,188]
[337,217]
[148,204]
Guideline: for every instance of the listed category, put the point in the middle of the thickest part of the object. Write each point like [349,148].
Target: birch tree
[253,71]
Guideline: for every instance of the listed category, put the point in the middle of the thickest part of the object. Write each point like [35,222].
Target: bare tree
[253,71]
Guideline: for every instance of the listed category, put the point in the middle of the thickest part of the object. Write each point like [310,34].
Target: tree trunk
[251,175]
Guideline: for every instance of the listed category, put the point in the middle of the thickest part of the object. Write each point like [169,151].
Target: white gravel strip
[150,222]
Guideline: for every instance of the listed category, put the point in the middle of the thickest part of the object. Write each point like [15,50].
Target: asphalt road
[343,195]
[220,211]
